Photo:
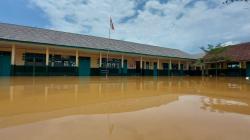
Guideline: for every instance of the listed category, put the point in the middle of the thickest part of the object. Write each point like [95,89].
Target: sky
[181,24]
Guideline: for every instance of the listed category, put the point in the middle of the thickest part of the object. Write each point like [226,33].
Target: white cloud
[181,24]
[228,43]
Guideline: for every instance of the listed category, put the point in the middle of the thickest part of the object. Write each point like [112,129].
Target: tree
[214,54]
[210,48]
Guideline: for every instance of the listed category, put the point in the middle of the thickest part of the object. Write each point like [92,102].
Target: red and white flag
[111,24]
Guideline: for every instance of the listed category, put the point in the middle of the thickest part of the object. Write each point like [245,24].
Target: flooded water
[124,108]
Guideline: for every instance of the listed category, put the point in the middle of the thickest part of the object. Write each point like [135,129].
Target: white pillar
[107,59]
[107,62]
[77,58]
[122,61]
[47,56]
[13,54]
[179,65]
[187,66]
[240,66]
[158,64]
[141,63]
[100,60]
[170,65]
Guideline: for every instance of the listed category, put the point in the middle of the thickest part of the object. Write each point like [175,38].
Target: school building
[33,51]
[232,60]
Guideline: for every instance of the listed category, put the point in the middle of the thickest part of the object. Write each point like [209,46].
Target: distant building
[35,51]
[232,60]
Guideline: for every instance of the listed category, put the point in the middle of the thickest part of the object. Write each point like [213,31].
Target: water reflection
[62,92]
[226,105]
[122,107]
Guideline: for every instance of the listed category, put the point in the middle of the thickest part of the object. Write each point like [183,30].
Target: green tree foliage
[215,53]
[211,48]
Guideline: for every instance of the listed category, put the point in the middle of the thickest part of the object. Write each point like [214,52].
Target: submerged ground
[124,108]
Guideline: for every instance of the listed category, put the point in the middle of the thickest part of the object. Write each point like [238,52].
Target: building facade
[229,61]
[27,51]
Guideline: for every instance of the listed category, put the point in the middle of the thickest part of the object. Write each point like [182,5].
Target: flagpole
[109,33]
[108,51]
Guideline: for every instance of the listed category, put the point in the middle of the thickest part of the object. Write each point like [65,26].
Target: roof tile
[38,35]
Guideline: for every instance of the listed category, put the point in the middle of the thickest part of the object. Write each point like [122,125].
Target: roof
[44,36]
[239,52]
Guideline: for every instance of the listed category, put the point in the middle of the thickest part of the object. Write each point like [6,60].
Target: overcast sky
[180,24]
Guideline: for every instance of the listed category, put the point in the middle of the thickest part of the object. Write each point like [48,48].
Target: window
[2,53]
[34,59]
[182,66]
[165,66]
[62,61]
[112,63]
[235,65]
[175,66]
[147,65]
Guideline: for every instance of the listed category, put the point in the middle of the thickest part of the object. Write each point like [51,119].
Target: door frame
[155,71]
[125,67]
[81,60]
[5,58]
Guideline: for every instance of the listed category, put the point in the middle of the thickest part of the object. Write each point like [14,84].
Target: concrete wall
[94,56]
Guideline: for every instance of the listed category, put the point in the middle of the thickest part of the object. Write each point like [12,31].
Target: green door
[248,69]
[155,69]
[5,65]
[84,66]
[125,67]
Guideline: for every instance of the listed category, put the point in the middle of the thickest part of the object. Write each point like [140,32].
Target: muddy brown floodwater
[124,108]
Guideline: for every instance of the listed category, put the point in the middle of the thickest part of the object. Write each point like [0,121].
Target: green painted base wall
[43,71]
[74,71]
[248,69]
[5,60]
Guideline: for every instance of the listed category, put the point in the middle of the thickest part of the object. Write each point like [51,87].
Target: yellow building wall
[151,63]
[131,62]
[163,61]
[20,51]
[94,56]
[5,49]
[19,57]
[243,65]
[94,62]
